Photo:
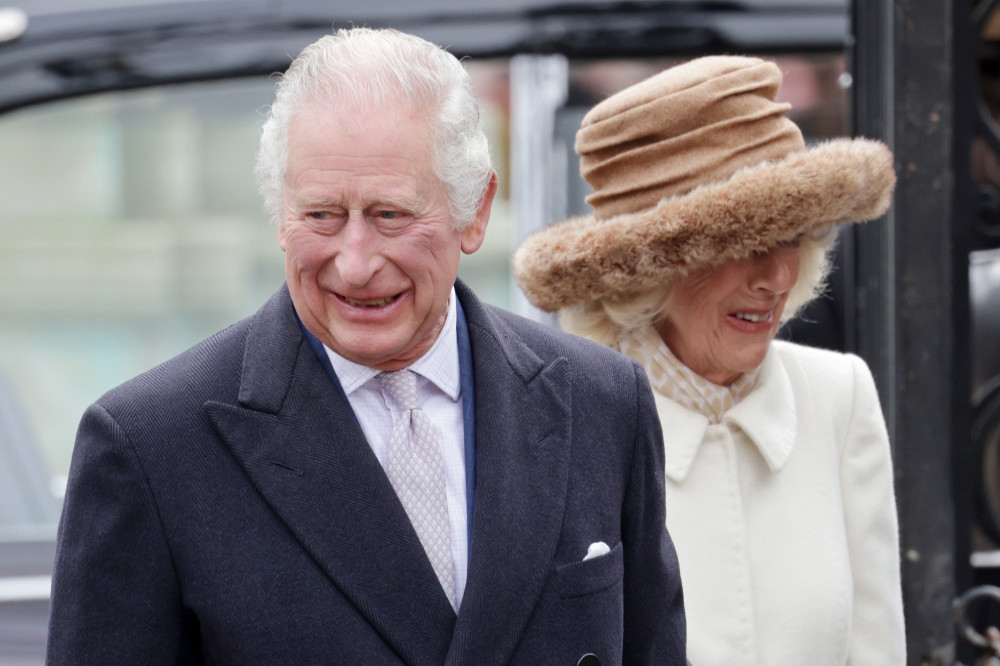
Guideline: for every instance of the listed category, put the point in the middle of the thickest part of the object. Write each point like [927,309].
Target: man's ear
[473,235]
[281,236]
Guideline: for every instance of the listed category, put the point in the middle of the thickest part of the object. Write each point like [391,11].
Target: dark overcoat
[225,508]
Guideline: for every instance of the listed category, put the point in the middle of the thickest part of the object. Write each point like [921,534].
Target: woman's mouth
[754,317]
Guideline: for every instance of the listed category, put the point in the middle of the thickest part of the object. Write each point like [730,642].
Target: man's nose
[357,258]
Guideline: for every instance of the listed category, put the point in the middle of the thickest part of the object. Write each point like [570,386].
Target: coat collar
[300,446]
[766,416]
[523,422]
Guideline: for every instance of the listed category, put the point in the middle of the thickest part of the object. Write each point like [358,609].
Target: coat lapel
[684,431]
[767,414]
[302,449]
[523,422]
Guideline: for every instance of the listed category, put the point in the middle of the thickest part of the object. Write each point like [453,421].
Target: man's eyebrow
[411,204]
[414,204]
[315,202]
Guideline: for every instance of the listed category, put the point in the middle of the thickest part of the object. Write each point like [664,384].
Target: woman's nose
[776,270]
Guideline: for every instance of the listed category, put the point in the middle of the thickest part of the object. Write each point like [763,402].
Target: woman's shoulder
[823,367]
[835,387]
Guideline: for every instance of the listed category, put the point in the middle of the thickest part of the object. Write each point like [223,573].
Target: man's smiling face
[371,251]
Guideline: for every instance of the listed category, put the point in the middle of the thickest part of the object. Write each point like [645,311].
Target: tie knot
[402,386]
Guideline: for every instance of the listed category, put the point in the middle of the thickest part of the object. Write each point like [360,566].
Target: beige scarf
[680,383]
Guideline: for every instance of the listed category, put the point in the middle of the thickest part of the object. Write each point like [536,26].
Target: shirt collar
[439,364]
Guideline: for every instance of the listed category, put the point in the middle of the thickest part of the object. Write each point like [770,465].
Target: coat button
[589,660]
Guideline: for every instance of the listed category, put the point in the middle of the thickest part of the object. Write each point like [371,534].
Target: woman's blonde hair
[610,321]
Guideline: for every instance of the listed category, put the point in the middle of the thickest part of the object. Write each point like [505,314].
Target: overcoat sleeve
[877,631]
[655,628]
[115,599]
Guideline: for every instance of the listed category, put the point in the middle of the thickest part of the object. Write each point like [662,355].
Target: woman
[712,224]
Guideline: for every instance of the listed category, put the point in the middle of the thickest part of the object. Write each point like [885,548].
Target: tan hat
[693,167]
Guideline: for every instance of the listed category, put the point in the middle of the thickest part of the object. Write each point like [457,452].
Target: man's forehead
[352,114]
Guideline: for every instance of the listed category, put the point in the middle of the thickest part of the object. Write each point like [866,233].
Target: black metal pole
[906,291]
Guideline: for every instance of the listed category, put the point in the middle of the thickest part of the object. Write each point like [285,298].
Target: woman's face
[721,319]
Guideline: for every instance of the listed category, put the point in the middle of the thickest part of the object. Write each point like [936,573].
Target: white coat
[784,519]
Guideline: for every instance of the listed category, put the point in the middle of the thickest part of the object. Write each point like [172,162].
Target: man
[272,496]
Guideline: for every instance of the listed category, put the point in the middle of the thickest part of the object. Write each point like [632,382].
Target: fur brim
[582,259]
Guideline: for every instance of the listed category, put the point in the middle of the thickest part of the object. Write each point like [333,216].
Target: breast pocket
[578,579]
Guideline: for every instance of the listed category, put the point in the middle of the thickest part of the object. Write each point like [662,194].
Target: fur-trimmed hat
[693,167]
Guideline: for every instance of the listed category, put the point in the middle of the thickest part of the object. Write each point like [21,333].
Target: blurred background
[130,225]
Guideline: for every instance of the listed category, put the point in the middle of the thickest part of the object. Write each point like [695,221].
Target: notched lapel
[523,427]
[310,462]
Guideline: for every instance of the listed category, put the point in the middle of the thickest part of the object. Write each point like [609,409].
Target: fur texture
[583,259]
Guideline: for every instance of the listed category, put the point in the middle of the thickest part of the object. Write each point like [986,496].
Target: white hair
[382,67]
[609,322]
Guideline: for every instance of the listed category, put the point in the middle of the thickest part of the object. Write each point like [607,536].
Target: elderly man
[375,468]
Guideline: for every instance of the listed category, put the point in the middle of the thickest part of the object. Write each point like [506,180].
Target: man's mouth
[368,303]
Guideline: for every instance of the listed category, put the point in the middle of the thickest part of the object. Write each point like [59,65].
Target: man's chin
[374,351]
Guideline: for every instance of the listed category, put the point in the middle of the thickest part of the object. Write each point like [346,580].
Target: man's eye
[391,220]
[323,221]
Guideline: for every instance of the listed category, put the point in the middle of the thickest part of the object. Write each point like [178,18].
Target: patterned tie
[417,475]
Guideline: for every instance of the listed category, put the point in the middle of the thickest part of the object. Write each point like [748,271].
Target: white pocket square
[596,549]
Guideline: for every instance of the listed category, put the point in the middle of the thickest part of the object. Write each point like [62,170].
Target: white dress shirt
[439,389]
